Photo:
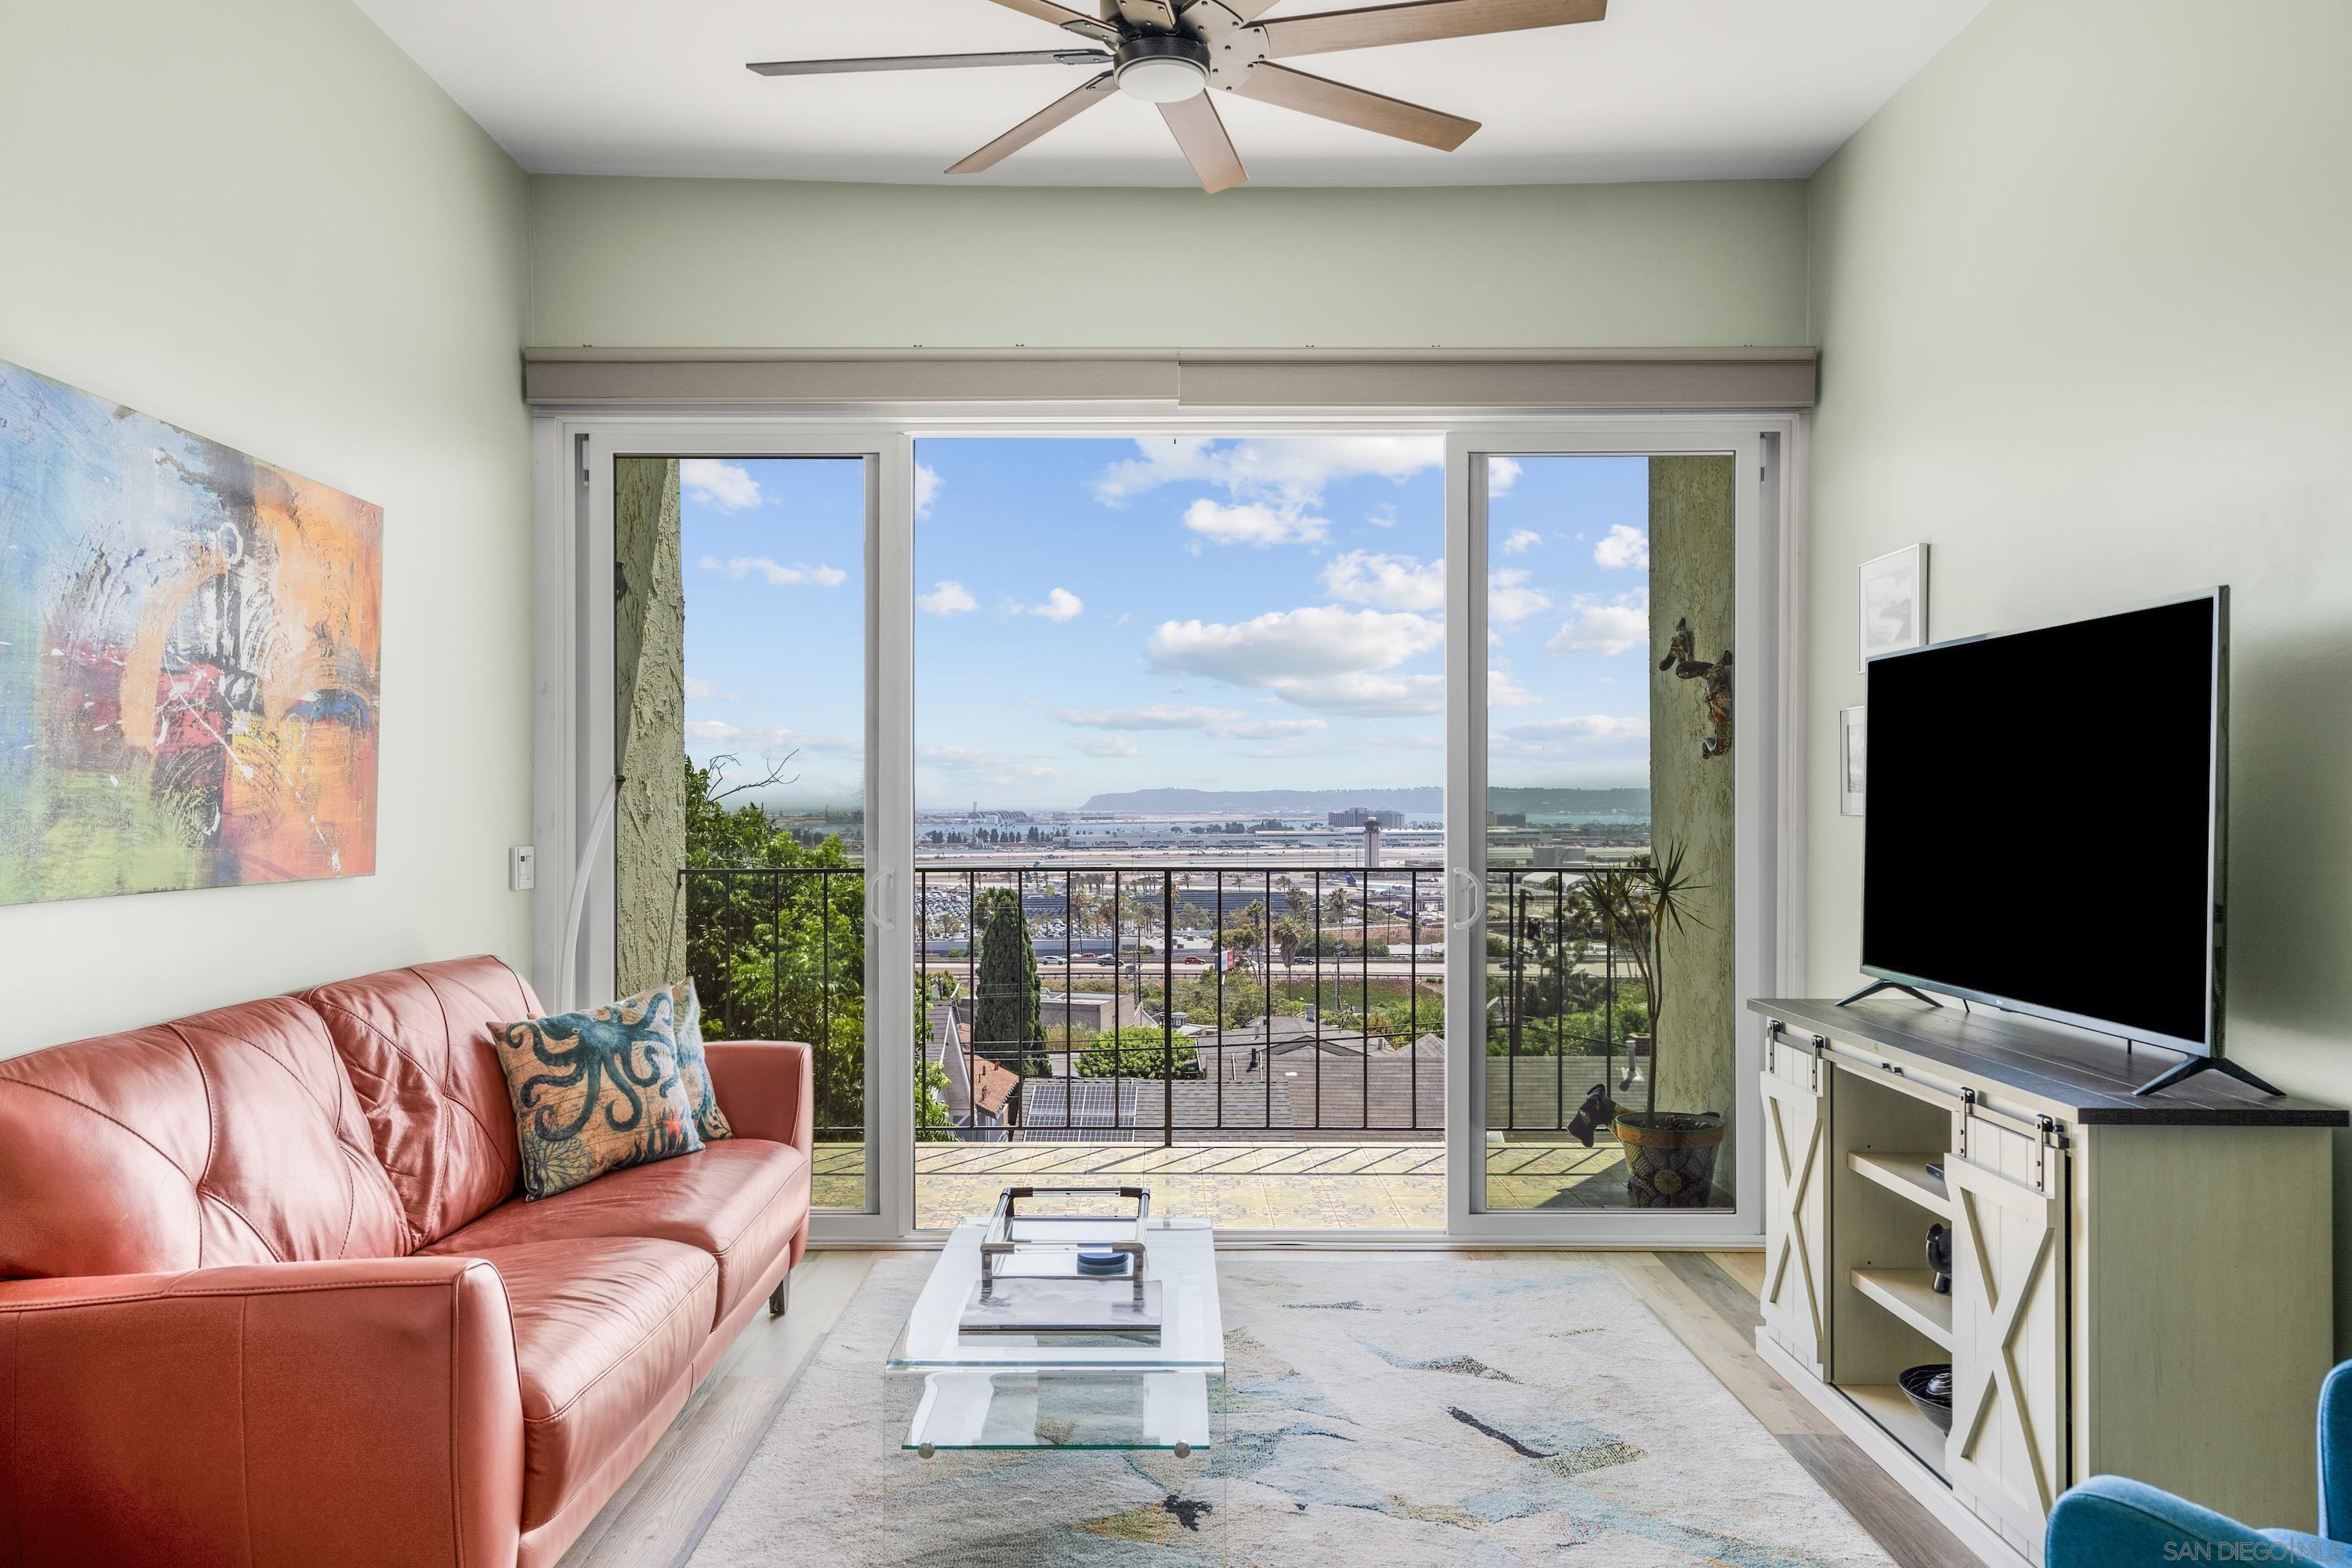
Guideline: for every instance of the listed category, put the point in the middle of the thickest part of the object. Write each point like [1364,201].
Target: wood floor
[1706,1299]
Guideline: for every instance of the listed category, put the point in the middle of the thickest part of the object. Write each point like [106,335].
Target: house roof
[992,1084]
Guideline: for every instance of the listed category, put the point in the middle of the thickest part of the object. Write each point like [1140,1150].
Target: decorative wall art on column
[1893,614]
[190,644]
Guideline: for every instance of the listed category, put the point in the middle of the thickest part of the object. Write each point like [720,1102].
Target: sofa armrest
[279,1415]
[767,1089]
[2108,1522]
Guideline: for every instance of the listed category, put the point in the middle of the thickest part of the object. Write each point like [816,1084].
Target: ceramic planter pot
[1670,1156]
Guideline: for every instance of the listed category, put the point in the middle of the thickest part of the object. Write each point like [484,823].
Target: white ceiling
[1662,90]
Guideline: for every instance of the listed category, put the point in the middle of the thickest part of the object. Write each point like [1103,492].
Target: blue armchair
[2110,1523]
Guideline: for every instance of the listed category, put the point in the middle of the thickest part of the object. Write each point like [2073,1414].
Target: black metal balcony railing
[1177,1003]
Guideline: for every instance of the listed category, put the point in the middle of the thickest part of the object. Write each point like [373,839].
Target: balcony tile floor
[1253,1187]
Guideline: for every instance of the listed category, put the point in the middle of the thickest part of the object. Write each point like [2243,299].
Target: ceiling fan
[1169,52]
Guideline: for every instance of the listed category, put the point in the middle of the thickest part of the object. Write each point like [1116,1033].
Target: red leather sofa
[269,1298]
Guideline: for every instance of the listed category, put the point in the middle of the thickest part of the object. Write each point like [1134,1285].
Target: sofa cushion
[604,1330]
[229,1137]
[694,1067]
[596,1090]
[417,1045]
[739,1200]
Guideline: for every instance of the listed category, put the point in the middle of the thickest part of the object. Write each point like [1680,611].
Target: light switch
[522,867]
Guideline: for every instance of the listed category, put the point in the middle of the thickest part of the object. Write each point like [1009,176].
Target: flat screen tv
[2044,821]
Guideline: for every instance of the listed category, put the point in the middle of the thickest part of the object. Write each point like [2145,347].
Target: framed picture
[1894,601]
[1853,756]
[190,650]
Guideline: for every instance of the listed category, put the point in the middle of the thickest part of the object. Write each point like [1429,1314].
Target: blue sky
[1097,614]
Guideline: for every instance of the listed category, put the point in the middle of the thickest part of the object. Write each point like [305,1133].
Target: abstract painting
[190,644]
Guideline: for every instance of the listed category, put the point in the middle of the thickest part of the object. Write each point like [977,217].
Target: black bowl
[1929,1388]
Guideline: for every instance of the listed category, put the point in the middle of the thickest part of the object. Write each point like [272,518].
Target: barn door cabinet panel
[1796,1115]
[2137,1286]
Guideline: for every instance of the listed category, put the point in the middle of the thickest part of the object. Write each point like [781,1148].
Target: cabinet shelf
[1910,1295]
[1886,1403]
[1905,1175]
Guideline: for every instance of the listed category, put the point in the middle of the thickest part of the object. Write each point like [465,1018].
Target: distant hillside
[1425,801]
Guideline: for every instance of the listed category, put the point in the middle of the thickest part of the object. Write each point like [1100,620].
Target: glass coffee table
[999,1389]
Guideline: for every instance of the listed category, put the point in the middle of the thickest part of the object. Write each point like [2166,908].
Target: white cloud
[1391,581]
[927,488]
[1061,604]
[770,742]
[1502,473]
[1106,746]
[1224,723]
[967,759]
[1510,600]
[1624,547]
[797,575]
[1367,694]
[729,487]
[1604,629]
[946,598]
[700,690]
[1314,640]
[1503,691]
[1521,541]
[1270,729]
[1254,523]
[1591,735]
[1292,471]
[1320,656]
[1159,716]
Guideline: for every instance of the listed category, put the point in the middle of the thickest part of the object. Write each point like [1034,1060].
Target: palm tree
[1640,904]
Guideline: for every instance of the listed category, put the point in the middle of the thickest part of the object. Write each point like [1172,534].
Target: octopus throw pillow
[709,1119]
[596,1090]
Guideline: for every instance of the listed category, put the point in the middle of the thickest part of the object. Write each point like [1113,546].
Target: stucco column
[649,724]
[1691,800]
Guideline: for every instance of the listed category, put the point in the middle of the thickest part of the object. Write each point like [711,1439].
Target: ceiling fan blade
[930,62]
[1242,10]
[1420,22]
[1063,17]
[1270,83]
[1206,147]
[1066,108]
[1155,13]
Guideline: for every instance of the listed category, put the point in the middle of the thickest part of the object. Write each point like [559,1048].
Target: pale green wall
[2083,295]
[731,263]
[260,220]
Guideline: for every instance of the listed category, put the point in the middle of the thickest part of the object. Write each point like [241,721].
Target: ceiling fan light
[1162,68]
[1162,82]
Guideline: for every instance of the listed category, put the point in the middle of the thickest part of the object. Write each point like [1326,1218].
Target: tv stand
[2196,1065]
[1876,986]
[2115,1260]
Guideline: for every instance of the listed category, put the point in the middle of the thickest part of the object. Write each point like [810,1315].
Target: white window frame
[573,637]
[1758,924]
[575,735]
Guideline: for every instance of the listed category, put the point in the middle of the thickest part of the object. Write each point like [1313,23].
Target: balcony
[1260,1044]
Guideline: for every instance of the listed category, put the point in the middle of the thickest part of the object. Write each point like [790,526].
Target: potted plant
[1669,1155]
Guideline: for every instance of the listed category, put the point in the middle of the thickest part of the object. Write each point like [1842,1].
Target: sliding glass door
[1599,784]
[1342,830]
[735,702]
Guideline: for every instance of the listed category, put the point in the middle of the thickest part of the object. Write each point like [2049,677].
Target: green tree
[932,1122]
[777,957]
[1138,1051]
[1008,1023]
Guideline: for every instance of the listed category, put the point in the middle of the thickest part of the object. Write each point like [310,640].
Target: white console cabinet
[2139,1287]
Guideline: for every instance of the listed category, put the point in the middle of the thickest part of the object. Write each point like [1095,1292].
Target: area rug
[1401,1410]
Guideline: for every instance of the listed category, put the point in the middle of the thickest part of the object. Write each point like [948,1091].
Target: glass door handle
[888,900]
[1470,904]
